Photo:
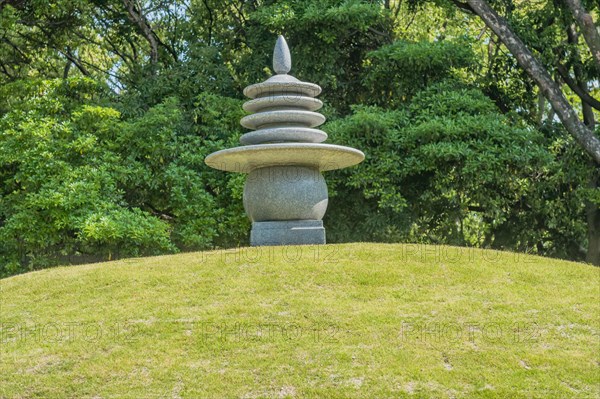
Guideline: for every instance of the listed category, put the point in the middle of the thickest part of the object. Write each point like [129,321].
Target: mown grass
[337,321]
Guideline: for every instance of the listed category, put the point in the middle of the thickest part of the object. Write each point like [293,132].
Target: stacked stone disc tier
[285,194]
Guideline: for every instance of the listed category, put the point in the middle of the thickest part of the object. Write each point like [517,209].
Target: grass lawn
[336,321]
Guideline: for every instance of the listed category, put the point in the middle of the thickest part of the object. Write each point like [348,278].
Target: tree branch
[588,113]
[585,96]
[5,71]
[138,18]
[67,69]
[75,61]
[463,6]
[582,134]
[588,28]
[210,21]
[23,56]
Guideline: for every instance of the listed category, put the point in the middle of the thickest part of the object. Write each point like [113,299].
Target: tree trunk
[593,219]
[588,28]
[591,209]
[553,93]
[541,109]
[139,19]
[67,69]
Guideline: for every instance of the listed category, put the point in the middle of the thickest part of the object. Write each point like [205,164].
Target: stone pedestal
[287,232]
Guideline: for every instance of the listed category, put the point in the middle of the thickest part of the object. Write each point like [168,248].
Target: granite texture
[324,157]
[294,101]
[282,60]
[283,118]
[273,87]
[290,232]
[284,134]
[285,193]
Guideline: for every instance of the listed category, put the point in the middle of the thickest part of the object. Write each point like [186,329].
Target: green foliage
[103,137]
[203,72]
[78,180]
[401,69]
[329,41]
[456,171]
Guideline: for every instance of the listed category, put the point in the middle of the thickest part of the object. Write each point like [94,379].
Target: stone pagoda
[285,194]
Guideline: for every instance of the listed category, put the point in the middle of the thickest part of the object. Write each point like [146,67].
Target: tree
[584,135]
[583,132]
[78,183]
[449,164]
[587,27]
[428,93]
[445,166]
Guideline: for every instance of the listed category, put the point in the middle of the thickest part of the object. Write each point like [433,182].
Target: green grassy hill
[337,321]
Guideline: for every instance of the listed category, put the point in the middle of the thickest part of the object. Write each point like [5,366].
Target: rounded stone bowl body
[285,193]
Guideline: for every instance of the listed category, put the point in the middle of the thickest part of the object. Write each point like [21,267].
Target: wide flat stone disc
[322,156]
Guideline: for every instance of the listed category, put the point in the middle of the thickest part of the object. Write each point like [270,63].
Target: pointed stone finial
[282,60]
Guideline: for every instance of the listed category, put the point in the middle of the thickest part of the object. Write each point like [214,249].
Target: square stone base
[287,232]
